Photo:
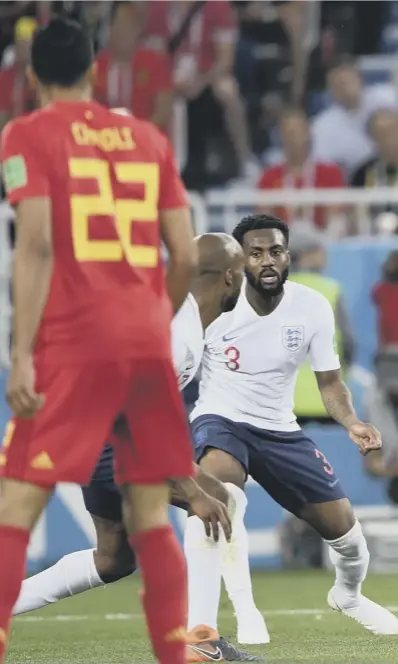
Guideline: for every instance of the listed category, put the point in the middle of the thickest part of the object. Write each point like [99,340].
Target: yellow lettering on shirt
[109,139]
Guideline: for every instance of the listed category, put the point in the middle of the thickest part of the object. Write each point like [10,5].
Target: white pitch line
[70,617]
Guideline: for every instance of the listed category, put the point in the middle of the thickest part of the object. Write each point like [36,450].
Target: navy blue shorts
[288,465]
[101,496]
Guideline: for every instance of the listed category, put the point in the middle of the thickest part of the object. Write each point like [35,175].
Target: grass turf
[105,626]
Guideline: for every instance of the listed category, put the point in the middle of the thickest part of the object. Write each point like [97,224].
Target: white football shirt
[250,362]
[187,341]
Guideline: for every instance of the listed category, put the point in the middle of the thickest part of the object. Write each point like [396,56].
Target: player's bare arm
[177,234]
[210,510]
[337,400]
[32,270]
[163,109]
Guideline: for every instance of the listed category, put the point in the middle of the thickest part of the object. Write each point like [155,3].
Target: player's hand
[21,394]
[366,436]
[213,513]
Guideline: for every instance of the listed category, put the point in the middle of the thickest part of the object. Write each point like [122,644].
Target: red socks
[163,569]
[13,545]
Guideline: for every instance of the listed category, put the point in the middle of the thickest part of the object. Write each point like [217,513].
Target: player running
[93,192]
[215,289]
[243,424]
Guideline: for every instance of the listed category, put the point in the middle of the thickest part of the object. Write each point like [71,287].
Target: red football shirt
[135,86]
[107,176]
[323,176]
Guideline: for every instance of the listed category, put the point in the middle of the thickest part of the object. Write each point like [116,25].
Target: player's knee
[114,558]
[115,567]
[332,520]
[223,466]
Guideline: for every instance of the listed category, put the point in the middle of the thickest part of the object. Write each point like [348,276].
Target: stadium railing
[352,211]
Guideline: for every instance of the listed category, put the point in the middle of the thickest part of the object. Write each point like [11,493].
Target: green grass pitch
[105,626]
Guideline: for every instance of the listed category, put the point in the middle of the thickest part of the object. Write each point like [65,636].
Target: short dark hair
[62,53]
[259,221]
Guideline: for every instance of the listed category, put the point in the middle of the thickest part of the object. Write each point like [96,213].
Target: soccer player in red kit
[94,191]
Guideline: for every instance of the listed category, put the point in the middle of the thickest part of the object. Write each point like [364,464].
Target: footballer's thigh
[289,466]
[63,441]
[220,450]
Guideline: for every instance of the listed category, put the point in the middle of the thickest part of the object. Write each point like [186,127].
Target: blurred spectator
[42,12]
[9,14]
[381,404]
[340,132]
[300,171]
[132,77]
[277,34]
[201,38]
[381,399]
[96,14]
[308,254]
[381,170]
[276,39]
[16,97]
[385,299]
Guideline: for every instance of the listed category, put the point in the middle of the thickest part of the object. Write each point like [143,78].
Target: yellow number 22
[124,211]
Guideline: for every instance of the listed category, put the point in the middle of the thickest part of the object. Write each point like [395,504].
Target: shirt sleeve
[172,191]
[23,171]
[322,352]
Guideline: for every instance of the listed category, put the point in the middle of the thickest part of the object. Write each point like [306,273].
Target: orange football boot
[200,648]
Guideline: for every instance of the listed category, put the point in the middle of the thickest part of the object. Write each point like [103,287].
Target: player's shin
[350,557]
[13,546]
[236,574]
[163,569]
[204,560]
[20,507]
[71,575]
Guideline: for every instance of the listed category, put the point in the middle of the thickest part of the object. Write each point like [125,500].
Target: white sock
[204,558]
[350,557]
[235,564]
[71,575]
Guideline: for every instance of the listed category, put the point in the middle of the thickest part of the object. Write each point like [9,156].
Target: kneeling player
[214,291]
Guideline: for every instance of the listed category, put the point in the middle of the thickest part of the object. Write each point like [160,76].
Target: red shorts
[63,441]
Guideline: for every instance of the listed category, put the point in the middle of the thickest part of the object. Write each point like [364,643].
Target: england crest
[293,337]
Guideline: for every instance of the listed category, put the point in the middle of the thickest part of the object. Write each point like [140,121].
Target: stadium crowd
[222,77]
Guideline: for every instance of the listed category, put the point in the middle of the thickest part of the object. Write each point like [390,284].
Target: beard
[267,290]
